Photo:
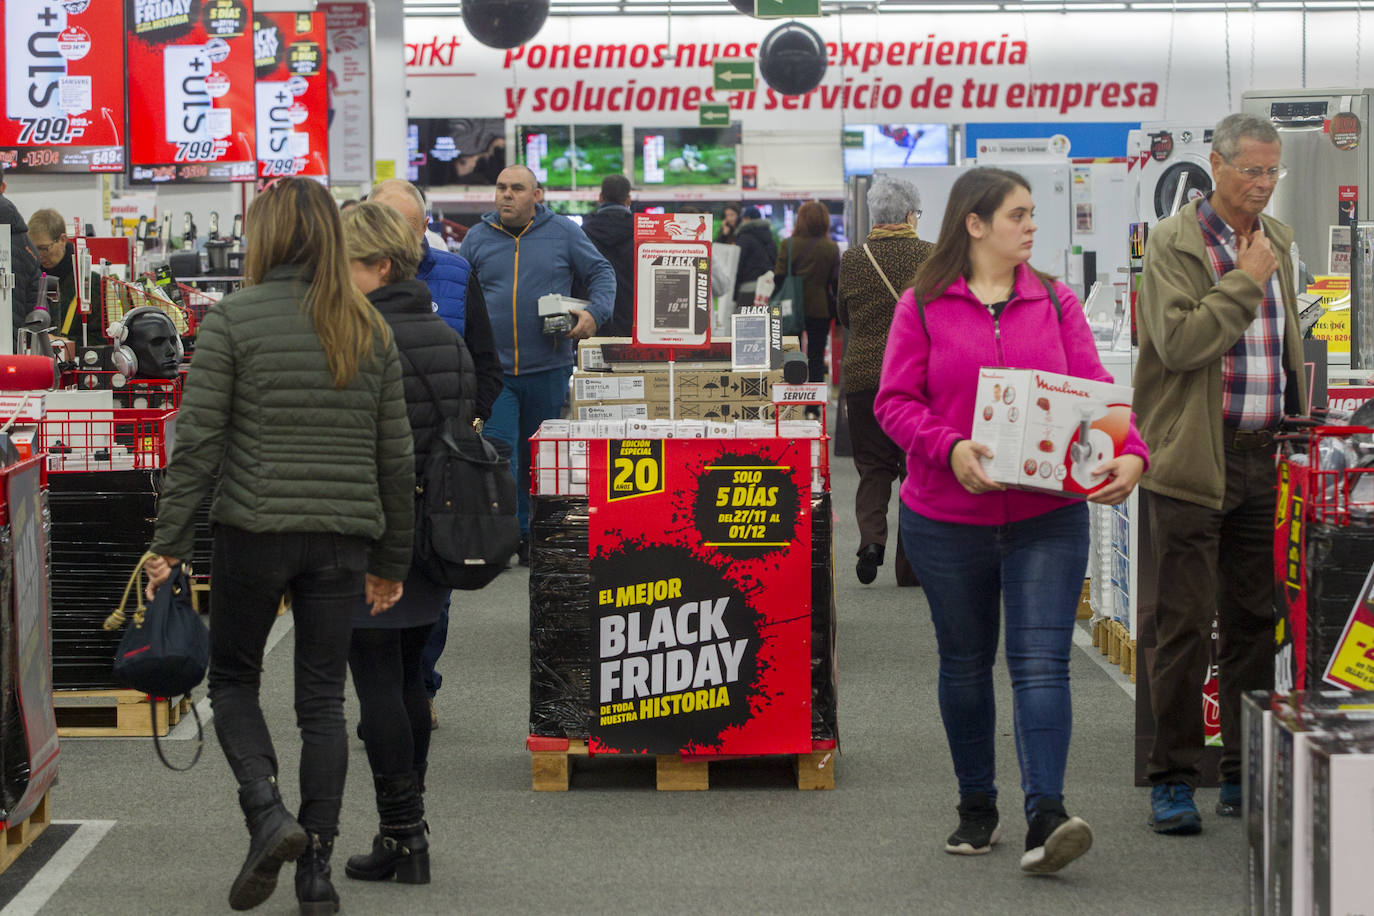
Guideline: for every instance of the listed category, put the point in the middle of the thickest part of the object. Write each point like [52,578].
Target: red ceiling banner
[63,86]
[292,95]
[191,109]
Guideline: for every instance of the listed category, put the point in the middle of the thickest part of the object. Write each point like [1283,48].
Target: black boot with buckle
[275,839]
[314,889]
[400,848]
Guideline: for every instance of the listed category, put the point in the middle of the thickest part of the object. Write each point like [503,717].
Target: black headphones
[122,356]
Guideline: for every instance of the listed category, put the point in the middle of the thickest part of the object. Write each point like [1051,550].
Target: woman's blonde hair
[374,231]
[295,223]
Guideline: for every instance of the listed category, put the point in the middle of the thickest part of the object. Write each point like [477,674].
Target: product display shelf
[1113,567]
[562,635]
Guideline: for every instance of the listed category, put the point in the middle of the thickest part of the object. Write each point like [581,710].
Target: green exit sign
[786,9]
[853,139]
[733,75]
[713,115]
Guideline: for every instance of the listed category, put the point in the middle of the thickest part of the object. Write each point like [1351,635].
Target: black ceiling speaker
[744,6]
[792,59]
[504,23]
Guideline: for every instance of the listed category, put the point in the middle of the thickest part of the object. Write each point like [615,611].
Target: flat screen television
[675,156]
[868,147]
[565,157]
[449,151]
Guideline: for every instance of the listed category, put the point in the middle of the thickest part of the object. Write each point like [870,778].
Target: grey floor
[751,844]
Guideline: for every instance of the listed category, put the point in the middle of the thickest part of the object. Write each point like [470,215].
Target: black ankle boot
[870,558]
[314,890]
[400,848]
[275,838]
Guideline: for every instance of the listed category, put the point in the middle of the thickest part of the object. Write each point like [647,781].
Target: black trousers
[880,463]
[324,575]
[1212,564]
[389,676]
[817,335]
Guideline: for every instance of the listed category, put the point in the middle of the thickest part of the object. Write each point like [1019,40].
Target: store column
[389,91]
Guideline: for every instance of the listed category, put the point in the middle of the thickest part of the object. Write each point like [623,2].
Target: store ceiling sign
[191,109]
[63,86]
[736,75]
[349,59]
[786,9]
[292,99]
[701,596]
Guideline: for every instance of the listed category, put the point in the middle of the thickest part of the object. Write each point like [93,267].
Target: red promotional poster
[64,86]
[672,279]
[701,596]
[292,95]
[191,107]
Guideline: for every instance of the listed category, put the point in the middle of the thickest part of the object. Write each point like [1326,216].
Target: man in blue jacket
[522,251]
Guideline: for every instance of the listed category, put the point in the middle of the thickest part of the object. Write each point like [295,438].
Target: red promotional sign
[292,95]
[64,86]
[191,105]
[701,596]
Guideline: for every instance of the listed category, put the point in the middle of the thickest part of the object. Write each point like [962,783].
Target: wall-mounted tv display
[671,156]
[890,146]
[448,151]
[565,157]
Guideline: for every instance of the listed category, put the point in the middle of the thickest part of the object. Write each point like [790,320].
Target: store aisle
[752,844]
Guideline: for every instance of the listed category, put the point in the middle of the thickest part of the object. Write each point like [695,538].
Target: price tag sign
[191,114]
[63,86]
[292,95]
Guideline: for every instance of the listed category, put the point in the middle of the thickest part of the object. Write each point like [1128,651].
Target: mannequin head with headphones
[146,344]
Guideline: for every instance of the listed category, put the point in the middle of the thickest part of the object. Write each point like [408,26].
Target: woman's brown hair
[813,220]
[295,223]
[375,231]
[979,191]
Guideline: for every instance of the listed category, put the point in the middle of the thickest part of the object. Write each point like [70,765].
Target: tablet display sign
[191,113]
[292,95]
[63,86]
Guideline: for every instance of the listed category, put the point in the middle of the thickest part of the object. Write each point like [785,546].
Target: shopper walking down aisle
[457,298]
[1220,363]
[757,253]
[612,230]
[294,412]
[386,654]
[816,259]
[870,276]
[974,544]
[521,251]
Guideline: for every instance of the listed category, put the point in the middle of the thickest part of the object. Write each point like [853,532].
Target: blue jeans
[525,402]
[1035,567]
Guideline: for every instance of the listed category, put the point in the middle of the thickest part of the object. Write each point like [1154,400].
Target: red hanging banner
[63,85]
[701,596]
[292,95]
[191,105]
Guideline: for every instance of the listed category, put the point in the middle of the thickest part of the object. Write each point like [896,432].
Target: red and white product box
[1049,431]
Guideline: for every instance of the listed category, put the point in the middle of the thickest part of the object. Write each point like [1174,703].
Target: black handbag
[165,650]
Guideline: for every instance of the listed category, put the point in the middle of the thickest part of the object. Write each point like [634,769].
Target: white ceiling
[723,7]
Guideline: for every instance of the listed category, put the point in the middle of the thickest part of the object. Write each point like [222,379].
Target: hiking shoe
[978,829]
[1228,802]
[1054,839]
[1173,811]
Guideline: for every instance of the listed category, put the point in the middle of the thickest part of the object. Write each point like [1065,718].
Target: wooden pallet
[1113,640]
[20,836]
[551,766]
[114,714]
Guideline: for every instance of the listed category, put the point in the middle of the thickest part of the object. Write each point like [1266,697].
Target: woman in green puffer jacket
[294,414]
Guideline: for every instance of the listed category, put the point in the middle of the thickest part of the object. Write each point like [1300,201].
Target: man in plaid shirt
[1220,364]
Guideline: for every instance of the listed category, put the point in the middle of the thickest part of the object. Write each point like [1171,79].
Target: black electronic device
[794,368]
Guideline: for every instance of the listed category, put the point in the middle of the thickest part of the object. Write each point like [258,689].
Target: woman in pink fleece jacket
[975,544]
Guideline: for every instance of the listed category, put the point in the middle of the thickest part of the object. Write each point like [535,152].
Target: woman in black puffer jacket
[386,652]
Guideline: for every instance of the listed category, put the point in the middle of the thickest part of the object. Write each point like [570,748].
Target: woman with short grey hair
[872,276]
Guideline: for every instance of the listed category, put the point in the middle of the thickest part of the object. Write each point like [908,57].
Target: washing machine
[1167,165]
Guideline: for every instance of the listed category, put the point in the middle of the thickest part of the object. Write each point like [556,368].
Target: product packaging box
[690,394]
[1256,720]
[1342,840]
[1048,431]
[1298,718]
[622,354]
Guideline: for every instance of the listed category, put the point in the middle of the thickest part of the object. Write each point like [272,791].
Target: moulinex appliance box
[1048,431]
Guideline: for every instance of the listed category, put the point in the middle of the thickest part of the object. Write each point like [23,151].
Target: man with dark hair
[23,261]
[612,230]
[1221,362]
